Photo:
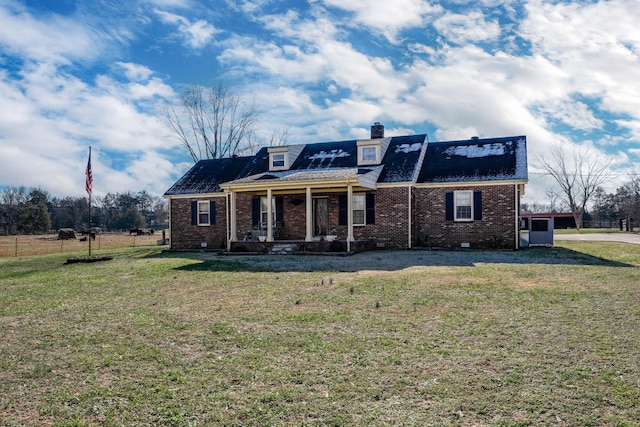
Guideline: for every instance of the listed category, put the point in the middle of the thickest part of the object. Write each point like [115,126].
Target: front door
[320,216]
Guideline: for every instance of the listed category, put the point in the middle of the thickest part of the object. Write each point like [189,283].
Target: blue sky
[80,73]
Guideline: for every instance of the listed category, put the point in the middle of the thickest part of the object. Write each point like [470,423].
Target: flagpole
[89,188]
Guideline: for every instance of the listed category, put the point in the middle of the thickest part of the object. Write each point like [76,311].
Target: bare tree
[578,172]
[628,197]
[555,200]
[277,138]
[212,122]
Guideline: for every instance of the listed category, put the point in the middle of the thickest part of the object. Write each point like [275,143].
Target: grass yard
[26,245]
[544,336]
[587,231]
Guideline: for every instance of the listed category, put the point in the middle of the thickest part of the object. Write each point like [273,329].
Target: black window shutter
[194,213]
[342,209]
[449,206]
[255,211]
[212,212]
[279,209]
[371,208]
[477,205]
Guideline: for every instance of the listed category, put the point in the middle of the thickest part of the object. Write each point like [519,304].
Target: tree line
[33,211]
[605,208]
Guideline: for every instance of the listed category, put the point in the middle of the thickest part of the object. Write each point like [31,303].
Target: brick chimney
[377,131]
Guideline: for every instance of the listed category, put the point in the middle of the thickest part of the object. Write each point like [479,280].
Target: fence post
[16,246]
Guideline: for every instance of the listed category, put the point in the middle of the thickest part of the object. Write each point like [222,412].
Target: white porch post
[309,236]
[349,217]
[269,217]
[233,236]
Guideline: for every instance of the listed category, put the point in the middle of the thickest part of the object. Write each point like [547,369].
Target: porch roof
[364,177]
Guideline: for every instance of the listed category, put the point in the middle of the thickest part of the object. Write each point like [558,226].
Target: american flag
[89,182]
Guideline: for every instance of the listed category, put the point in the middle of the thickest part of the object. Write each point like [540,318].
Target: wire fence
[18,246]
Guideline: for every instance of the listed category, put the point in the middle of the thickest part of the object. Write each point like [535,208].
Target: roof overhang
[298,181]
[471,183]
[194,195]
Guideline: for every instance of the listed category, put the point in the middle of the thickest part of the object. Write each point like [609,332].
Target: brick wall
[185,236]
[390,228]
[496,229]
[243,216]
[429,227]
[391,220]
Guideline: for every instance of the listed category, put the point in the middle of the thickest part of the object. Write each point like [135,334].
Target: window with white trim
[463,205]
[368,152]
[278,158]
[358,208]
[204,212]
[264,214]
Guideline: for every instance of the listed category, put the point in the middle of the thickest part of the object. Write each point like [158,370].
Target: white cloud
[633,127]
[319,57]
[468,28]
[134,71]
[597,44]
[387,17]
[576,114]
[48,119]
[196,34]
[49,38]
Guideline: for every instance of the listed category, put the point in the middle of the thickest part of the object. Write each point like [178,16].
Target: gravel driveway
[632,238]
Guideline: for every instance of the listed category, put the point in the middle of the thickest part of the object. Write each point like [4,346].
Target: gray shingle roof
[207,175]
[487,159]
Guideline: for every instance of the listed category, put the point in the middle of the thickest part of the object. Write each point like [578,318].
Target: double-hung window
[368,152]
[463,206]
[278,158]
[463,202]
[359,206]
[204,213]
[264,214]
[363,209]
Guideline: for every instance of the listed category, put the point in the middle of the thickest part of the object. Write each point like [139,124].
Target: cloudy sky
[80,73]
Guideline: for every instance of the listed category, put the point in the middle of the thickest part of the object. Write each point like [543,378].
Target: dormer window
[278,158]
[369,152]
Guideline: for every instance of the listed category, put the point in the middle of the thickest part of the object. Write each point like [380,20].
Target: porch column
[233,234]
[309,236]
[349,217]
[269,217]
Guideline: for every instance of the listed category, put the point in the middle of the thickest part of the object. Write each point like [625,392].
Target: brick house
[383,192]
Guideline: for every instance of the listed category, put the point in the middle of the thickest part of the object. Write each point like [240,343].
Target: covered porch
[308,221]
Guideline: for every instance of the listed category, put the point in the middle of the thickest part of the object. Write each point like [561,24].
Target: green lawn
[544,336]
[587,230]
